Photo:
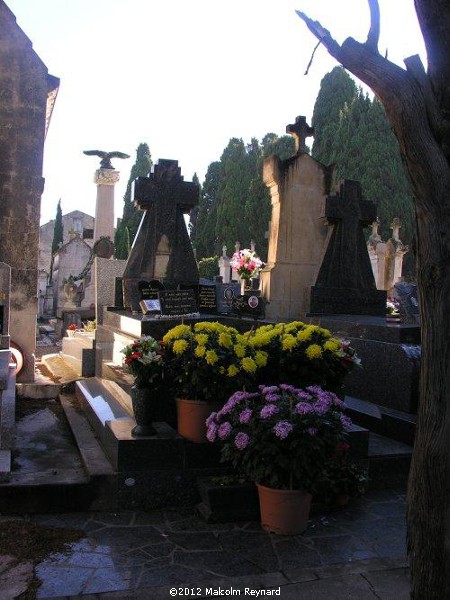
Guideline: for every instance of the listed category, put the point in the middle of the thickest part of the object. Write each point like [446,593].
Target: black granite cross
[345,283]
[165,186]
[300,130]
[162,249]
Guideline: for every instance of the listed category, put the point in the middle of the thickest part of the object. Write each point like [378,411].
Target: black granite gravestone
[406,294]
[207,300]
[226,294]
[162,249]
[178,302]
[345,283]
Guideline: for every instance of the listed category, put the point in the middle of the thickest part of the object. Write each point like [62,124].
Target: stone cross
[162,249]
[345,283]
[395,226]
[300,131]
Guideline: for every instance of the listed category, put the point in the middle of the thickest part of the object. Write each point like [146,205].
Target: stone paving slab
[129,552]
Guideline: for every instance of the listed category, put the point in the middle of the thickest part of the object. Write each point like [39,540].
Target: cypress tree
[58,236]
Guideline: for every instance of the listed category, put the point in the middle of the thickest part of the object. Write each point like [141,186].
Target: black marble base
[345,301]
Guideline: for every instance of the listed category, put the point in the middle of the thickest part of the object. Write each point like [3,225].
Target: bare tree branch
[312,57]
[373,36]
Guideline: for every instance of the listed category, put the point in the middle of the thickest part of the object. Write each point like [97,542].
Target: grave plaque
[207,300]
[149,289]
[177,302]
[226,294]
[150,306]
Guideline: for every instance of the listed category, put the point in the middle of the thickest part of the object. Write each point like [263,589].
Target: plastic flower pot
[192,415]
[284,512]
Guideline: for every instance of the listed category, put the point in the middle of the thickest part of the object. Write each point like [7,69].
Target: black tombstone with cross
[162,249]
[345,283]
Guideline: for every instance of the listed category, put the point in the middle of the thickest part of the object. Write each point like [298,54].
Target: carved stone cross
[162,249]
[345,283]
[300,130]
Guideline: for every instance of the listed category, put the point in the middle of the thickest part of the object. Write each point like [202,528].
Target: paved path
[357,552]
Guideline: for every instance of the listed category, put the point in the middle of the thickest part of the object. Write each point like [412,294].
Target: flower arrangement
[209,361]
[72,327]
[144,360]
[302,354]
[246,264]
[392,307]
[281,436]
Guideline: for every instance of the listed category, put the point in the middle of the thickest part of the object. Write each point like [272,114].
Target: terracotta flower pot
[192,415]
[142,401]
[284,512]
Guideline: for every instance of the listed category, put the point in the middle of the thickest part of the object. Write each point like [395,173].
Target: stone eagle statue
[106,157]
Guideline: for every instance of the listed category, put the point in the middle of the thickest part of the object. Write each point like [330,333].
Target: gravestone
[178,302]
[207,299]
[162,249]
[297,232]
[406,294]
[5,290]
[345,283]
[226,293]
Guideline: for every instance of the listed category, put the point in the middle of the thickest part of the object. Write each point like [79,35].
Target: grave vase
[192,415]
[246,285]
[284,512]
[143,402]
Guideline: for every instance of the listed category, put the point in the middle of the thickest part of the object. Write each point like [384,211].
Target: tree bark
[418,107]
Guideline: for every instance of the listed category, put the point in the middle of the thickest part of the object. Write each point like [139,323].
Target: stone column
[105,179]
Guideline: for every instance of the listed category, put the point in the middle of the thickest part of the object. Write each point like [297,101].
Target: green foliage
[208,267]
[58,235]
[132,215]
[122,241]
[352,132]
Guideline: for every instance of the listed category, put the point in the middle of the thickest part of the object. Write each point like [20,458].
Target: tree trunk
[418,107]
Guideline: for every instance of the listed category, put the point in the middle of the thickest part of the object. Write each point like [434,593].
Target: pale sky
[183,76]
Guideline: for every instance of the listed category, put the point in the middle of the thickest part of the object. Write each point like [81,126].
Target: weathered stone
[297,232]
[345,283]
[28,95]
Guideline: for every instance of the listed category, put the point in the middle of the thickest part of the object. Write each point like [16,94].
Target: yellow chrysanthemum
[248,364]
[207,326]
[211,357]
[201,339]
[313,351]
[293,325]
[332,345]
[288,342]
[222,370]
[225,340]
[200,351]
[232,371]
[304,335]
[239,350]
[176,332]
[180,346]
[261,358]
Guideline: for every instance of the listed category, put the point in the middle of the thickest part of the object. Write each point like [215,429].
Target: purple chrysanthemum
[282,429]
[321,406]
[272,397]
[211,433]
[312,431]
[224,430]
[268,410]
[241,440]
[302,408]
[245,415]
[301,395]
[211,418]
[346,422]
[288,388]
[268,389]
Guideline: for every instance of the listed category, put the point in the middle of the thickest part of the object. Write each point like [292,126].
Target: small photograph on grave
[226,294]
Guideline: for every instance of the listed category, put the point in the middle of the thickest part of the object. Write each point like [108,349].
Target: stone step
[384,421]
[59,368]
[389,462]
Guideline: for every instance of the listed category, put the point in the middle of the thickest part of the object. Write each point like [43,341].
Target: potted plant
[341,480]
[144,360]
[247,265]
[281,437]
[206,363]
[302,354]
